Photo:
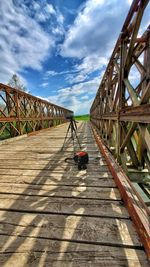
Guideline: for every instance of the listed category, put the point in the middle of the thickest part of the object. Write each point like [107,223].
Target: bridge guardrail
[121,110]
[21,113]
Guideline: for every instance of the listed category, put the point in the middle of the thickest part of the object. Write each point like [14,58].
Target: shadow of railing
[62,218]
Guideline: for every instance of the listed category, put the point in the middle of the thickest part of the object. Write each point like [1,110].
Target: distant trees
[16,83]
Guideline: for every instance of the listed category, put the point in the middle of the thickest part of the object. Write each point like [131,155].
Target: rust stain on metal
[21,113]
[120,110]
[136,207]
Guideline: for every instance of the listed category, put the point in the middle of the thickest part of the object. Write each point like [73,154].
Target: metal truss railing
[121,109]
[21,113]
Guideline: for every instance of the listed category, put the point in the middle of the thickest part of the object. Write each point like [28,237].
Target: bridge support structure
[137,209]
[21,113]
[120,112]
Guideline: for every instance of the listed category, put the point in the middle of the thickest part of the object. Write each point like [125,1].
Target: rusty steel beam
[21,112]
[136,207]
[16,119]
[4,88]
[118,102]
[139,114]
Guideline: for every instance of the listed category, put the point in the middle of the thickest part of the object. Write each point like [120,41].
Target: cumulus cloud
[88,65]
[44,84]
[80,72]
[92,63]
[75,78]
[77,105]
[50,9]
[78,98]
[92,36]
[50,73]
[44,13]
[60,17]
[23,42]
[95,28]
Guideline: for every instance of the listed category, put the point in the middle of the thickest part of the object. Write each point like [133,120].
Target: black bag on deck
[80,158]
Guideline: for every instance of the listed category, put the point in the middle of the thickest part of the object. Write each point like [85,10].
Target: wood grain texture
[51,214]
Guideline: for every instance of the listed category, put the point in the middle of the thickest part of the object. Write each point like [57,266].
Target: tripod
[73,128]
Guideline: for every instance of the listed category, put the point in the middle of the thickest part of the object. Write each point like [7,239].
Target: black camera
[70,117]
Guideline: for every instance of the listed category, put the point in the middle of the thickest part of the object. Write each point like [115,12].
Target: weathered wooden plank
[76,228]
[57,167]
[62,191]
[41,154]
[63,205]
[48,143]
[47,146]
[50,161]
[41,252]
[41,200]
[54,171]
[55,179]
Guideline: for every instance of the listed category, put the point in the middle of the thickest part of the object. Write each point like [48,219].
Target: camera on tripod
[72,128]
[69,117]
[81,157]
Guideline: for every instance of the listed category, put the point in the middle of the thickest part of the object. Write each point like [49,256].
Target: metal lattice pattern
[121,109]
[21,113]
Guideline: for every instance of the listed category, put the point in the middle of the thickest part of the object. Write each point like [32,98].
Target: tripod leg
[65,137]
[74,129]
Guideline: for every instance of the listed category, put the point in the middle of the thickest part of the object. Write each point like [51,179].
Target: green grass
[85,117]
[5,135]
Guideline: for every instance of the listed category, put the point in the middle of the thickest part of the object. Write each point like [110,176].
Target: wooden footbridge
[52,214]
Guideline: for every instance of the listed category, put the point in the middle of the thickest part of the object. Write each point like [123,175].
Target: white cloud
[75,78]
[92,63]
[88,88]
[47,13]
[134,76]
[85,97]
[95,29]
[78,98]
[23,43]
[60,18]
[78,106]
[50,73]
[36,6]
[88,65]
[129,2]
[81,72]
[92,36]
[44,12]
[50,9]
[44,84]
[58,31]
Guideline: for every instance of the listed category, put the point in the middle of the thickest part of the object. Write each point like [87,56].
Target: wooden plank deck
[51,214]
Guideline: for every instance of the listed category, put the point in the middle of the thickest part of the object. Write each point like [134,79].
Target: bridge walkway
[51,214]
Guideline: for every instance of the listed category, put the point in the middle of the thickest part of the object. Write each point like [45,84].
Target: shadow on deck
[54,215]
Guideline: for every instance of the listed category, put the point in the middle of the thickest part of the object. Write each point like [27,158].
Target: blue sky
[60,48]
